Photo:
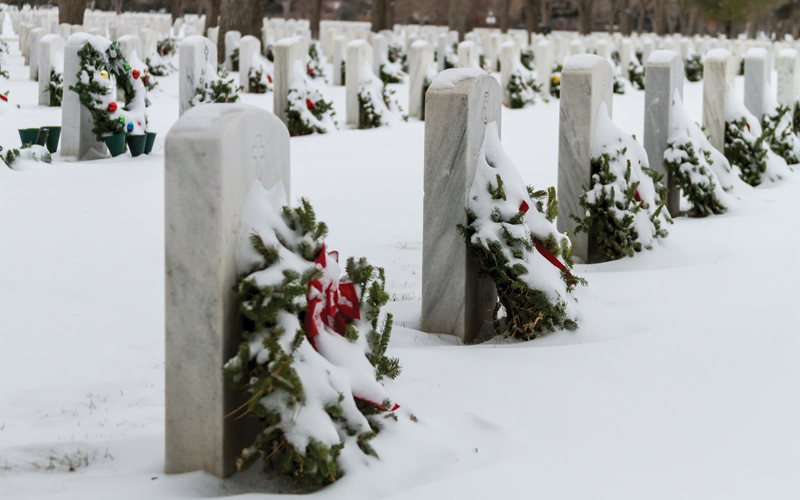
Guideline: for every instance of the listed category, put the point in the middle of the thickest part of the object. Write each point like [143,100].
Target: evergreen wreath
[307,112]
[3,53]
[693,175]
[344,71]
[694,68]
[166,47]
[259,81]
[375,101]
[527,57]
[55,88]
[639,57]
[745,150]
[220,89]
[778,130]
[235,59]
[531,292]
[796,117]
[636,75]
[285,374]
[619,86]
[521,91]
[389,74]
[158,66]
[314,66]
[615,57]
[108,63]
[26,152]
[555,81]
[451,57]
[610,211]
[269,52]
[397,54]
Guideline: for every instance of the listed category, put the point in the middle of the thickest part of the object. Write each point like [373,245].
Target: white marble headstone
[420,59]
[788,65]
[51,57]
[249,50]
[756,81]
[231,42]
[586,83]
[359,52]
[718,78]
[197,56]
[287,52]
[214,155]
[454,300]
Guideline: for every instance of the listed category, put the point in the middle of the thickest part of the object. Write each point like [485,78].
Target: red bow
[547,254]
[3,97]
[310,104]
[337,301]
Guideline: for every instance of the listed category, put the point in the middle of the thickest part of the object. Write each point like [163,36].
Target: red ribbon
[310,104]
[3,97]
[339,302]
[547,254]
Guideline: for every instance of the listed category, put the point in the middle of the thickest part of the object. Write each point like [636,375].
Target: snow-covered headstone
[379,53]
[586,83]
[468,54]
[339,53]
[420,60]
[249,52]
[35,35]
[197,57]
[788,65]
[648,46]
[663,76]
[214,154]
[441,51]
[213,35]
[544,64]
[129,45]
[459,105]
[495,46]
[148,39]
[718,77]
[359,52]
[756,81]
[51,57]
[509,60]
[77,137]
[231,43]
[287,51]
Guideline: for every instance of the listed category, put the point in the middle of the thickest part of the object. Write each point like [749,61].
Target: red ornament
[136,74]
[269,78]
[144,80]
[310,104]
[112,106]
[310,71]
[523,207]
[3,98]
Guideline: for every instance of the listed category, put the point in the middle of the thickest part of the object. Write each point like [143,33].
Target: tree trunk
[118,6]
[378,15]
[244,16]
[502,14]
[71,11]
[177,8]
[546,12]
[212,14]
[457,17]
[585,16]
[287,7]
[390,14]
[612,14]
[531,18]
[625,21]
[316,9]
[658,17]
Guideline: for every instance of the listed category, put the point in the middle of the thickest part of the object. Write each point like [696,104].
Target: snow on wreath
[312,362]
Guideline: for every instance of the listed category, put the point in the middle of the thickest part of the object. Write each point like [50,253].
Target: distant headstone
[544,64]
[718,77]
[454,300]
[788,65]
[756,81]
[586,83]
[509,57]
[339,54]
[51,57]
[231,43]
[197,57]
[287,52]
[249,51]
[214,155]
[35,35]
[468,54]
[379,53]
[663,76]
[359,52]
[420,59]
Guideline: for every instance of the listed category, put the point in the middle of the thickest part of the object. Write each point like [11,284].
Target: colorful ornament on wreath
[310,104]
[136,74]
[130,127]
[104,74]
[112,106]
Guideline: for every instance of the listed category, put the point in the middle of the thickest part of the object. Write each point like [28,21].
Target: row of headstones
[107,24]
[239,145]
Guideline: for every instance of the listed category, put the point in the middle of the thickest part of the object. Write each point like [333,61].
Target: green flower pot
[148,145]
[115,143]
[42,139]
[52,138]
[29,135]
[136,144]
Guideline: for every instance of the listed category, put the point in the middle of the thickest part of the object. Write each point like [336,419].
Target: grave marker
[718,75]
[197,58]
[359,52]
[420,59]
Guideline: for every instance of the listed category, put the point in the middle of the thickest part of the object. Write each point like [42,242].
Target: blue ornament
[130,127]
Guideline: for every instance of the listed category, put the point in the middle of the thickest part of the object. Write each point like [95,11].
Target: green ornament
[121,119]
[127,66]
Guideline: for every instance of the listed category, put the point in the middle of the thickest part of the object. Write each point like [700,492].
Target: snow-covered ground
[683,380]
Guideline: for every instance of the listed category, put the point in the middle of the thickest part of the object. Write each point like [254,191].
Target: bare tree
[585,16]
[287,7]
[244,16]
[390,5]
[316,9]
[502,14]
[458,17]
[531,17]
[177,8]
[378,15]
[212,14]
[71,11]
[546,12]
[625,21]
[117,6]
